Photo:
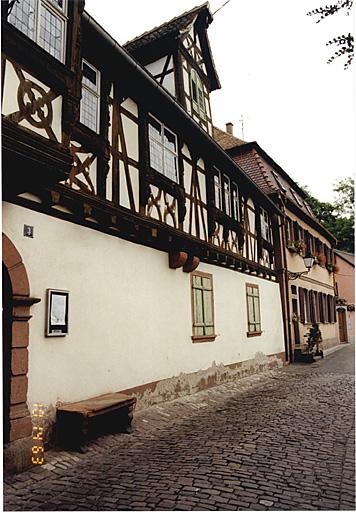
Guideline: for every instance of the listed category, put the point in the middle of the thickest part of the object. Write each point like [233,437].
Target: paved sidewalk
[277,441]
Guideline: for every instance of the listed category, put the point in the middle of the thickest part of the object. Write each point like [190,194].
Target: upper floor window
[227,194]
[217,190]
[198,98]
[90,102]
[44,21]
[235,202]
[163,149]
[265,226]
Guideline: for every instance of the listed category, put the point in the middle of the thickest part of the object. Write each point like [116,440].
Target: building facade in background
[309,297]
[137,255]
[345,286]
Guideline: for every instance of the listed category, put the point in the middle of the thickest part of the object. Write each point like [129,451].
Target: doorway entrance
[6,350]
[341,314]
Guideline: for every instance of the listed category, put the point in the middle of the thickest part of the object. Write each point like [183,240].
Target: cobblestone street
[282,440]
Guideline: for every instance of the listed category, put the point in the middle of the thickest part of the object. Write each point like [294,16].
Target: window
[296,197]
[253,310]
[280,184]
[301,292]
[202,307]
[44,21]
[235,202]
[227,195]
[198,98]
[90,102]
[217,189]
[265,227]
[163,149]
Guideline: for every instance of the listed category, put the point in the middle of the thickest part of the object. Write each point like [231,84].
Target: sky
[271,59]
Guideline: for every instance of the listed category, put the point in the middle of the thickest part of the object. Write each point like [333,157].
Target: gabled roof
[169,27]
[346,256]
[173,28]
[226,140]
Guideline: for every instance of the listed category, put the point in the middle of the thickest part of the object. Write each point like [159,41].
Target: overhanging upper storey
[178,56]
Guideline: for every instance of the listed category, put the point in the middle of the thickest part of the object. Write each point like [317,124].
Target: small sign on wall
[57,312]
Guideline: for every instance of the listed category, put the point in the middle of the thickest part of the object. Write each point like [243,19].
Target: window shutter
[301,305]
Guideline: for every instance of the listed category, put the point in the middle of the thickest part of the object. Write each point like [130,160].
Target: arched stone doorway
[16,315]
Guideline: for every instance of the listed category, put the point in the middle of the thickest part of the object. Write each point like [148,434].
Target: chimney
[230,128]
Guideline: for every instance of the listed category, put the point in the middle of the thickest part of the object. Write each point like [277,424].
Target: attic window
[299,202]
[197,92]
[280,184]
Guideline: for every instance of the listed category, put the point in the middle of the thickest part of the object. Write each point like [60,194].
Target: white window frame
[94,91]
[164,148]
[55,10]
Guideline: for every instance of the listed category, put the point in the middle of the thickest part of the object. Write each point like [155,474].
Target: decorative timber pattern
[30,103]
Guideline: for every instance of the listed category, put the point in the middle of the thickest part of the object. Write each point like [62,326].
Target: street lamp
[308,262]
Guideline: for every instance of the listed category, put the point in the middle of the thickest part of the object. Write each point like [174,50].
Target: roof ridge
[154,29]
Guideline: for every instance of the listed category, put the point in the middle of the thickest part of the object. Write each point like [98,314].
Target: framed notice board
[57,312]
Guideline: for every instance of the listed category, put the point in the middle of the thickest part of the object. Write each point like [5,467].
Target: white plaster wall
[129,314]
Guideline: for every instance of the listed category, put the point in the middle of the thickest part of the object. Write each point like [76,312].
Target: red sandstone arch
[20,419]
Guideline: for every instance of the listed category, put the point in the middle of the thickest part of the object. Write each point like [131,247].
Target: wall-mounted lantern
[308,262]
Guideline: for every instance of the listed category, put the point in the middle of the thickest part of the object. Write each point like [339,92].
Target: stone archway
[20,426]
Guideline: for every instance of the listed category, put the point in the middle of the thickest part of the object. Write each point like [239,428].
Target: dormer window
[90,102]
[198,99]
[43,21]
[163,149]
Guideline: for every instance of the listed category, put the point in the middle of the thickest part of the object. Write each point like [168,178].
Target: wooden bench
[81,421]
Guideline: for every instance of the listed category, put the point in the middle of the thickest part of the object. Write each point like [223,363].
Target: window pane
[51,33]
[89,109]
[217,186]
[198,307]
[227,195]
[250,309]
[198,331]
[209,330]
[23,17]
[90,77]
[156,155]
[154,130]
[170,165]
[170,140]
[208,308]
[197,281]
[207,283]
[257,309]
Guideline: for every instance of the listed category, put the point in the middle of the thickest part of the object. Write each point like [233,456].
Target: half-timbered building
[306,296]
[143,254]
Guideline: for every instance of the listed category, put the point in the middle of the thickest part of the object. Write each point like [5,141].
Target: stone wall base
[190,383]
[18,455]
[331,342]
